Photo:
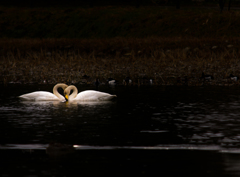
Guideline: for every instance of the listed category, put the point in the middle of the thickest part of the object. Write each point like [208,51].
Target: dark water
[169,131]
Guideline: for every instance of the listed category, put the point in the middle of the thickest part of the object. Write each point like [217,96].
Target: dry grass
[165,60]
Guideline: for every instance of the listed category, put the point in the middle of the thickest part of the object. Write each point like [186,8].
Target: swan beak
[66,96]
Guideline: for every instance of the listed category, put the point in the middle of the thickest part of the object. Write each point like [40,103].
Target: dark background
[91,3]
[30,3]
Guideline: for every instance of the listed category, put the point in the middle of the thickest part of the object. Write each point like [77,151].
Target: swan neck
[75,92]
[55,90]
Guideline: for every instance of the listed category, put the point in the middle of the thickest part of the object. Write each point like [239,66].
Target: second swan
[88,95]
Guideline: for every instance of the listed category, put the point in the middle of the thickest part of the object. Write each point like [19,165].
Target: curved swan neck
[55,90]
[74,94]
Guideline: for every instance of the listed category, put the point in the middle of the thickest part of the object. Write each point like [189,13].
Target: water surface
[145,127]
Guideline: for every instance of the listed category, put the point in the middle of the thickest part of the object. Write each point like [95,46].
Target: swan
[87,95]
[127,81]
[207,77]
[111,82]
[233,78]
[45,96]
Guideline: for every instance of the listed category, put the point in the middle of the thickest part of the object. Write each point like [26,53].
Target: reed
[164,60]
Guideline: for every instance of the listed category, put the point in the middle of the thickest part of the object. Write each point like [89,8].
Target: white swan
[45,96]
[88,95]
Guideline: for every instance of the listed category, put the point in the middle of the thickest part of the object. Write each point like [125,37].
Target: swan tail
[25,97]
[22,98]
[106,98]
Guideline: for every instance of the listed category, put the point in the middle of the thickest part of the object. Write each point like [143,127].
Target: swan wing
[92,95]
[40,96]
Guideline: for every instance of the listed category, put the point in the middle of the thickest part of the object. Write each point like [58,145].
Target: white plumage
[88,95]
[44,95]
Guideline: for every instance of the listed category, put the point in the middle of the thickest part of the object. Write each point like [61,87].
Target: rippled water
[158,123]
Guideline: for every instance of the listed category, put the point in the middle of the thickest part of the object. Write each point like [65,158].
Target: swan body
[233,78]
[88,95]
[207,77]
[111,82]
[44,95]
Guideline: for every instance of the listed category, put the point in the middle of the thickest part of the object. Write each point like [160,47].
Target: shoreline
[167,61]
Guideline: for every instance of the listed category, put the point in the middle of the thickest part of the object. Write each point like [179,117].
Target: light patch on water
[24,146]
[31,147]
[154,131]
[157,114]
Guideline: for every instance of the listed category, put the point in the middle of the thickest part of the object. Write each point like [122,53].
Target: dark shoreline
[167,61]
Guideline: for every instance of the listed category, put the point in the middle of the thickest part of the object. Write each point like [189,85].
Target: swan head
[67,92]
[66,97]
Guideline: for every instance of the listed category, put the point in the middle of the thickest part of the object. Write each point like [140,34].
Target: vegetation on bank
[167,61]
[109,22]
[79,45]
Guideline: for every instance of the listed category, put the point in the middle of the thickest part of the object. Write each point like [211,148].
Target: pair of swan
[88,95]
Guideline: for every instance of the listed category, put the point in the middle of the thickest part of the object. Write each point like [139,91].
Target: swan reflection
[42,103]
[90,103]
[57,104]
[58,149]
